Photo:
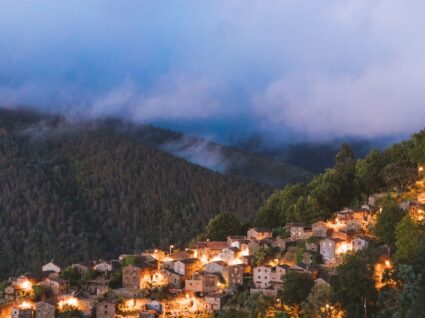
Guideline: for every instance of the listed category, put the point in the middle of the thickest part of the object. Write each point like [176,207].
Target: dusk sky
[225,69]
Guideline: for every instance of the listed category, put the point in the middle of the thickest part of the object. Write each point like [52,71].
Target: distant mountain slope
[233,161]
[78,193]
[224,159]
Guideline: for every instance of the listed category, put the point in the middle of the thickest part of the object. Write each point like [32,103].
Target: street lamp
[171,248]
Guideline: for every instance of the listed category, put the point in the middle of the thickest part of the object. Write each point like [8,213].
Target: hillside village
[197,281]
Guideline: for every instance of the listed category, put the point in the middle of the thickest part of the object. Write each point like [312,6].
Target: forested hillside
[225,159]
[348,183]
[74,195]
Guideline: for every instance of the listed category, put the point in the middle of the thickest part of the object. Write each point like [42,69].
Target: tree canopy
[221,226]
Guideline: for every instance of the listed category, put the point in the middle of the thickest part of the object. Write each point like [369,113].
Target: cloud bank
[281,68]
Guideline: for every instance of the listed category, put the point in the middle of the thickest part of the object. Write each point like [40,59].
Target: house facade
[215,267]
[202,283]
[106,309]
[187,267]
[233,275]
[262,277]
[44,310]
[258,234]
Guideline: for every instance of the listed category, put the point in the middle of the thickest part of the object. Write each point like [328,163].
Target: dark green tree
[387,221]
[221,226]
[369,172]
[70,312]
[296,288]
[115,279]
[399,175]
[417,152]
[278,208]
[72,275]
[128,260]
[354,284]
[263,255]
[40,292]
[408,239]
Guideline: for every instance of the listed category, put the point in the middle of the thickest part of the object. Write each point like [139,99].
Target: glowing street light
[171,248]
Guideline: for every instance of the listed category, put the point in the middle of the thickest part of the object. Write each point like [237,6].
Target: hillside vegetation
[348,183]
[80,194]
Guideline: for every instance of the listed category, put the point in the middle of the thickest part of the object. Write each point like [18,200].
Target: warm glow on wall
[25,305]
[236,261]
[70,301]
[343,248]
[26,285]
[204,259]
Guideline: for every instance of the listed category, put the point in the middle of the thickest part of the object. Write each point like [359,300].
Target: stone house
[321,229]
[202,283]
[137,277]
[18,312]
[262,276]
[44,310]
[187,267]
[173,279]
[233,275]
[98,286]
[103,267]
[215,302]
[300,231]
[215,267]
[106,309]
[58,285]
[236,241]
[206,250]
[10,293]
[256,233]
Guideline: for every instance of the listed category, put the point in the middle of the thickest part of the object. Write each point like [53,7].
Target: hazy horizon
[225,70]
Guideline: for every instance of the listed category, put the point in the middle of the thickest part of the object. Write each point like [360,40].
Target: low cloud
[173,97]
[199,151]
[284,69]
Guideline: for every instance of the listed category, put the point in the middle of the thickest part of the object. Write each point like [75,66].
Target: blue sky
[285,69]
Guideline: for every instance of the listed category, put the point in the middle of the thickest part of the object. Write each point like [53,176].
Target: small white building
[360,243]
[330,248]
[266,276]
[103,267]
[262,276]
[51,267]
